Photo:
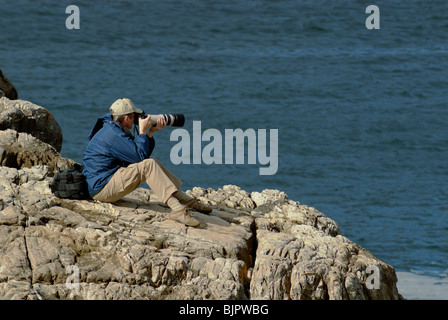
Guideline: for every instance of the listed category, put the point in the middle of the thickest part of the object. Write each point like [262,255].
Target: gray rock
[24,116]
[131,244]
[306,263]
[6,87]
[20,150]
[131,250]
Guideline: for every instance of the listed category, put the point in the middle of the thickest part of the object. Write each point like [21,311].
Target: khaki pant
[127,179]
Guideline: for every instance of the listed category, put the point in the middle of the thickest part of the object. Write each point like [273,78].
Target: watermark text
[220,148]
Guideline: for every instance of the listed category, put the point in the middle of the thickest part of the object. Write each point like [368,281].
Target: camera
[174,119]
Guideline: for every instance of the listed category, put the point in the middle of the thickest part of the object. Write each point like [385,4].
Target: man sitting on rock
[116,163]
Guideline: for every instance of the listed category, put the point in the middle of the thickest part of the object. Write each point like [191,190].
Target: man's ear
[127,118]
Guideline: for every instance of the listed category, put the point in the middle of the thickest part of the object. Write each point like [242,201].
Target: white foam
[414,286]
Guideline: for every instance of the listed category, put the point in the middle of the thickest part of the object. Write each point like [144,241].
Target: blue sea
[362,114]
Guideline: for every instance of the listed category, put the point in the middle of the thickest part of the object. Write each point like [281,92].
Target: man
[116,163]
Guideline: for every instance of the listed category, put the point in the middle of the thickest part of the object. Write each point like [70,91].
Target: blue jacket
[109,149]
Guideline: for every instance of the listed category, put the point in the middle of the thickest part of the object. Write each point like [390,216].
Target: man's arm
[159,126]
[128,150]
[133,151]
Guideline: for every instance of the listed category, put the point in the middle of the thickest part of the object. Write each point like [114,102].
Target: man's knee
[149,163]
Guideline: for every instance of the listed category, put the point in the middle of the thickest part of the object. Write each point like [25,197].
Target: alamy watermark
[373,21]
[72,281]
[373,280]
[73,21]
[219,148]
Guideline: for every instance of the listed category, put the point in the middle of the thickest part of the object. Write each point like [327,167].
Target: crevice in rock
[253,243]
[27,223]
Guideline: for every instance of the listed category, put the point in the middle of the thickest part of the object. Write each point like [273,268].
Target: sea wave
[417,286]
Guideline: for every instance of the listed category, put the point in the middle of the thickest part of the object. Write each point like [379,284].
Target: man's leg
[127,179]
[183,198]
[119,185]
[159,179]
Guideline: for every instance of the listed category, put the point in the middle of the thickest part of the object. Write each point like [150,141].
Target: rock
[130,250]
[19,150]
[268,196]
[229,196]
[306,263]
[259,245]
[282,215]
[24,116]
[6,87]
[130,244]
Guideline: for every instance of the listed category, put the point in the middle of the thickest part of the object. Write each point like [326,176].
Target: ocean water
[361,114]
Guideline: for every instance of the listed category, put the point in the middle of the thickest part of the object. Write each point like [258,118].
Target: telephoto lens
[174,119]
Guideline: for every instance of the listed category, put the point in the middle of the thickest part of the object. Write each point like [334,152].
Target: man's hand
[160,124]
[143,124]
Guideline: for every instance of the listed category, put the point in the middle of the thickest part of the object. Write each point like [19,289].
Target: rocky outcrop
[20,150]
[26,117]
[258,245]
[130,250]
[6,88]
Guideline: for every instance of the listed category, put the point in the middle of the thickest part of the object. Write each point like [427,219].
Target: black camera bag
[70,184]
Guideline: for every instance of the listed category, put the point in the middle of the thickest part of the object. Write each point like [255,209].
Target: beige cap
[123,106]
